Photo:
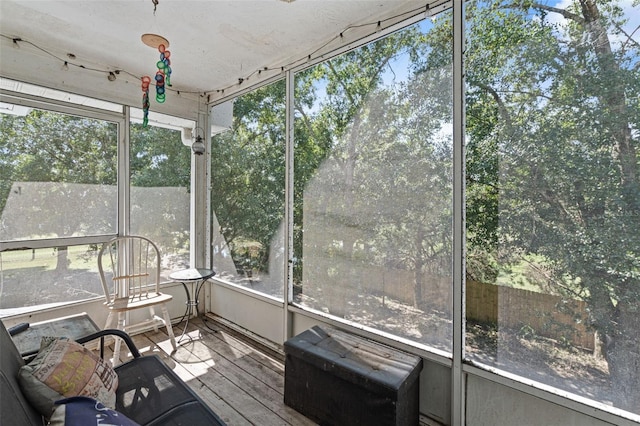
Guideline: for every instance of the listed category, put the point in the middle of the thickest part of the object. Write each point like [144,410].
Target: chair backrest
[14,407]
[129,267]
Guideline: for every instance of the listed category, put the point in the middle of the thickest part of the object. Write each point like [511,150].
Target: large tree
[248,176]
[384,177]
[553,118]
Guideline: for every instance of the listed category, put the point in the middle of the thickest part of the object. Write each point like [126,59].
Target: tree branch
[630,39]
[305,117]
[501,106]
[566,14]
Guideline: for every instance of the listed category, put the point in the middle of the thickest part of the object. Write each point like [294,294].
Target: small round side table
[184,276]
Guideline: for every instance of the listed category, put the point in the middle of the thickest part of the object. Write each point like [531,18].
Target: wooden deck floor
[242,381]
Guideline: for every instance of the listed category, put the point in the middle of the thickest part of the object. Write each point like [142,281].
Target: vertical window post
[457,376]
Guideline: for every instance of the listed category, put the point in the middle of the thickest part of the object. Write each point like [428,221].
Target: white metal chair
[129,269]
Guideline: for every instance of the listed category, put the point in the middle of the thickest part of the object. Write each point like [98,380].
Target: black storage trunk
[335,378]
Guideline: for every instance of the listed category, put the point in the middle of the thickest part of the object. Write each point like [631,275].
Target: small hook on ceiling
[155,5]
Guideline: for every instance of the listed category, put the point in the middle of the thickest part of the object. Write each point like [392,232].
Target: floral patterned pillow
[62,369]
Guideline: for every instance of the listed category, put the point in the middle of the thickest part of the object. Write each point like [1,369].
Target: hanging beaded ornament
[146,80]
[163,76]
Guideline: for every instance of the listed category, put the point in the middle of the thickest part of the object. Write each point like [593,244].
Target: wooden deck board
[239,379]
[241,384]
[190,373]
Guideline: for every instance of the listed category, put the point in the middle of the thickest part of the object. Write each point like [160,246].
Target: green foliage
[553,157]
[374,166]
[75,160]
[248,175]
[46,146]
[158,157]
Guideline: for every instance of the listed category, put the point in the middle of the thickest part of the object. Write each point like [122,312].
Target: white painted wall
[252,312]
[489,403]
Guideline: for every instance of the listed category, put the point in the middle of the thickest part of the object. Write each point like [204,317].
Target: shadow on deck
[242,382]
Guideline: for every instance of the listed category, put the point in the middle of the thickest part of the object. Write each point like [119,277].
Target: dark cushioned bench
[149,392]
[336,378]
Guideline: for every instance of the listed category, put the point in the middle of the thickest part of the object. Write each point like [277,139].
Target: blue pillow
[82,410]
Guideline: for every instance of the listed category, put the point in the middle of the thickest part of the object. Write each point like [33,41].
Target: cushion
[80,410]
[63,368]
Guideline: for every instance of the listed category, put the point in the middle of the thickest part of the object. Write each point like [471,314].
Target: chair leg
[116,349]
[109,320]
[152,311]
[167,323]
[106,340]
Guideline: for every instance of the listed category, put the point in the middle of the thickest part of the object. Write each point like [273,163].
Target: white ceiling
[214,44]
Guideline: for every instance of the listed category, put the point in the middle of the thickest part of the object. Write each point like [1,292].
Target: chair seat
[150,299]
[150,393]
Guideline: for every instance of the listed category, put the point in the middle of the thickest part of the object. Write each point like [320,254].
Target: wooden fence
[542,314]
[509,308]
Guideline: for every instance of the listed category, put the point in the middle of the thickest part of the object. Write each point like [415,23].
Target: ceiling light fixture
[197,146]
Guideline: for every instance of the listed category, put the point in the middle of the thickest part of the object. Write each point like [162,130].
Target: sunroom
[456,180]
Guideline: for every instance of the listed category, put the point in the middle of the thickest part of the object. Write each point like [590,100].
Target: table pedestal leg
[191,304]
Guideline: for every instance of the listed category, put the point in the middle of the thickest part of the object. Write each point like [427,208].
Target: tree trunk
[614,98]
[622,352]
[418,267]
[63,260]
[417,288]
